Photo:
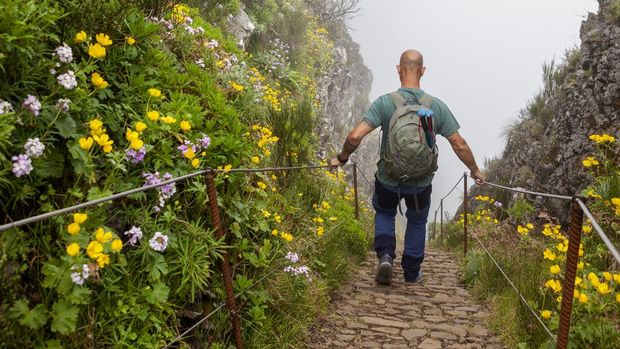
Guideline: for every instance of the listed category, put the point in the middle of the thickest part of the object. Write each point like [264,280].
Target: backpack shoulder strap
[397,98]
[426,100]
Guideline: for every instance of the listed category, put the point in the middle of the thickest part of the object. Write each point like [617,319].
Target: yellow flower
[153,92]
[235,86]
[333,219]
[73,249]
[586,229]
[325,205]
[261,185]
[548,254]
[274,232]
[522,230]
[589,162]
[583,298]
[116,245]
[95,124]
[266,213]
[277,218]
[81,37]
[98,81]
[73,228]
[601,139]
[103,236]
[195,163]
[546,314]
[107,148]
[168,120]
[286,236]
[320,231]
[96,51]
[94,249]
[185,126]
[152,115]
[130,41]
[603,288]
[137,143]
[189,153]
[555,269]
[103,39]
[80,218]
[578,280]
[615,201]
[140,126]
[607,275]
[617,278]
[103,260]
[300,194]
[86,143]
[255,159]
[562,247]
[103,140]
[555,285]
[227,168]
[576,293]
[580,265]
[530,226]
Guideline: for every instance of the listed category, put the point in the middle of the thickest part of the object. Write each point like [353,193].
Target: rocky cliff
[546,145]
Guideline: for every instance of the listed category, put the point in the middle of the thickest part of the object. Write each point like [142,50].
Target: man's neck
[411,84]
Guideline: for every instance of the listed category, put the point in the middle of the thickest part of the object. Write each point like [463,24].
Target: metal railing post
[568,288]
[465,214]
[357,206]
[231,302]
[435,226]
[441,218]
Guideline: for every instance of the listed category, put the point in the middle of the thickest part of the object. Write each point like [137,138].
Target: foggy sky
[483,57]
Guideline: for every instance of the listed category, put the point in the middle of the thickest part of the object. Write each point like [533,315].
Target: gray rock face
[241,26]
[544,151]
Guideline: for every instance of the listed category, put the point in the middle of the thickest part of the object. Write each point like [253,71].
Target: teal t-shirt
[380,113]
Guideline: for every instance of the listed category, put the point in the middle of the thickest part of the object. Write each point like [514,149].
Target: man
[416,192]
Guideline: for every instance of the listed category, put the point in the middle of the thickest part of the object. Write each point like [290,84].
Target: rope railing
[209,173]
[578,210]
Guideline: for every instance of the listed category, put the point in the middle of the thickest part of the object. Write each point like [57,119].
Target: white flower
[85,271]
[212,44]
[135,234]
[53,71]
[292,257]
[201,63]
[159,242]
[32,104]
[67,80]
[22,165]
[77,278]
[5,107]
[63,104]
[64,53]
[34,148]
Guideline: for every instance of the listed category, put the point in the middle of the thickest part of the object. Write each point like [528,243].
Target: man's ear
[398,68]
[422,71]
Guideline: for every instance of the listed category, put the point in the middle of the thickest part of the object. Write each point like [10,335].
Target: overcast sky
[483,57]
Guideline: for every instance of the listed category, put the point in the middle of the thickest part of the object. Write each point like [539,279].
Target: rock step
[437,313]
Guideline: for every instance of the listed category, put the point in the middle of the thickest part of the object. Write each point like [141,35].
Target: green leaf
[52,344]
[158,293]
[95,193]
[66,127]
[51,166]
[52,273]
[159,268]
[80,295]
[32,319]
[64,317]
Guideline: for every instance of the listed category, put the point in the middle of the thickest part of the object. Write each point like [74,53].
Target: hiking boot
[418,278]
[384,270]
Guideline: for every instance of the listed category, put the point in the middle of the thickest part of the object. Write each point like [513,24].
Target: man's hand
[478,176]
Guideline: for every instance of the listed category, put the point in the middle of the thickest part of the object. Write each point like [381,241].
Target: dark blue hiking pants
[385,202]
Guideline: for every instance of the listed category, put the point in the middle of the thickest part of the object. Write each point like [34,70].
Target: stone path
[438,313]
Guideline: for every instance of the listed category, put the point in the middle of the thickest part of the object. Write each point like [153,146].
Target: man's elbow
[354,138]
[459,147]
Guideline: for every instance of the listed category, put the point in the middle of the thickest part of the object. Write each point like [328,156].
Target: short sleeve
[379,112]
[448,125]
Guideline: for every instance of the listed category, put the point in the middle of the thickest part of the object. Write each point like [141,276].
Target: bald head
[411,59]
[411,67]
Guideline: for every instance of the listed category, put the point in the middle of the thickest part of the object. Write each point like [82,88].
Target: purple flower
[292,257]
[5,107]
[67,80]
[34,148]
[204,142]
[63,104]
[297,271]
[135,234]
[497,204]
[64,53]
[32,104]
[135,157]
[165,192]
[22,165]
[187,145]
[159,242]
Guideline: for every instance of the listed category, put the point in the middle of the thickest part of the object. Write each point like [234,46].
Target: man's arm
[462,150]
[352,142]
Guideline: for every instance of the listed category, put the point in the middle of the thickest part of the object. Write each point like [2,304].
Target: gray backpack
[410,152]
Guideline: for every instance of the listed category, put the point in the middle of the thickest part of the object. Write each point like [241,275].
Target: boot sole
[384,274]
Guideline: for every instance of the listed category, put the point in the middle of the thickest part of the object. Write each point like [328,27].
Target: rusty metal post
[465,214]
[357,205]
[231,302]
[568,288]
[441,218]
